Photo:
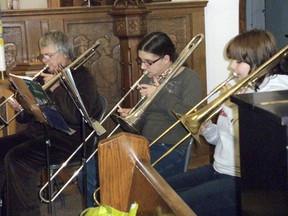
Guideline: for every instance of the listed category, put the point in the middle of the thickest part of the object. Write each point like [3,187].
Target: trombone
[74,65]
[64,164]
[65,76]
[132,88]
[135,113]
[194,118]
[194,121]
[129,122]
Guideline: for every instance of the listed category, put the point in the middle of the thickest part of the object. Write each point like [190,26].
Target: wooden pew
[126,176]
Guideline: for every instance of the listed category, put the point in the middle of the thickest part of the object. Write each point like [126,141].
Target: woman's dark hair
[253,47]
[158,43]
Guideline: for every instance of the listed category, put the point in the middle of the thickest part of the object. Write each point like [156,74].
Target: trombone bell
[192,124]
[128,124]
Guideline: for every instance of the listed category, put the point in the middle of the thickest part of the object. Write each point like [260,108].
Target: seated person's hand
[47,77]
[14,104]
[146,90]
[204,126]
[123,112]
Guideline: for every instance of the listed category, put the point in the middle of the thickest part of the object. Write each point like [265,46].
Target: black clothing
[23,155]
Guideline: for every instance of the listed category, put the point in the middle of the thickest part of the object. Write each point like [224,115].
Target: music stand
[38,103]
[68,82]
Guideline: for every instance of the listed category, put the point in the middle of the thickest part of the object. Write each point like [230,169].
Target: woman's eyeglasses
[47,56]
[147,62]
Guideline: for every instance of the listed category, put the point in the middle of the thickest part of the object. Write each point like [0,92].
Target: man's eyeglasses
[148,62]
[47,56]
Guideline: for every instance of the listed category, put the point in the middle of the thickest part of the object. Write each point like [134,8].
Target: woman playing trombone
[23,155]
[214,189]
[156,53]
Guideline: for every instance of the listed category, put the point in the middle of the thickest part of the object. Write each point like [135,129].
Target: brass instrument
[192,110]
[129,122]
[74,65]
[121,100]
[81,145]
[64,76]
[194,120]
[11,97]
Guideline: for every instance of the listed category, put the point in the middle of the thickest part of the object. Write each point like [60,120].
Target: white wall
[33,4]
[221,24]
[25,4]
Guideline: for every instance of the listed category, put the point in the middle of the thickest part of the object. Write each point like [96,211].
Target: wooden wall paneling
[54,3]
[32,38]
[181,20]
[15,32]
[105,64]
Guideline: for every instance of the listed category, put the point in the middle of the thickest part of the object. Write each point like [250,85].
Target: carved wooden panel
[114,63]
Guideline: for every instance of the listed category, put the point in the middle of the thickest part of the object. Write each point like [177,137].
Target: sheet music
[69,82]
[39,103]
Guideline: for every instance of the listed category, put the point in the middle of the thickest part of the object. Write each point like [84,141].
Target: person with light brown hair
[214,189]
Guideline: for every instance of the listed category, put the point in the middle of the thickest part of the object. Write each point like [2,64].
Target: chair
[188,155]
[55,167]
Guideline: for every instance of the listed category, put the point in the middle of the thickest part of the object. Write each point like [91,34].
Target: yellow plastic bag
[104,210]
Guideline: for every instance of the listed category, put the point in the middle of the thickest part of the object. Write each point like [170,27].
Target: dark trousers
[21,159]
[168,166]
[207,192]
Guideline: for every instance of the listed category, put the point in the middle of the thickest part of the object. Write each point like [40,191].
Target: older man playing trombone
[23,155]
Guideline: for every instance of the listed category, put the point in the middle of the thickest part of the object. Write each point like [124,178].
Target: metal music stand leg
[84,172]
[48,144]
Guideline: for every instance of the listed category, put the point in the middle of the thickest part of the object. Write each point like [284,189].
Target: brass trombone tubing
[118,125]
[74,65]
[63,165]
[127,93]
[131,120]
[193,121]
[212,108]
[214,91]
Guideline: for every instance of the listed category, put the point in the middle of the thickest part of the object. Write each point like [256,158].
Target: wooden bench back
[126,176]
